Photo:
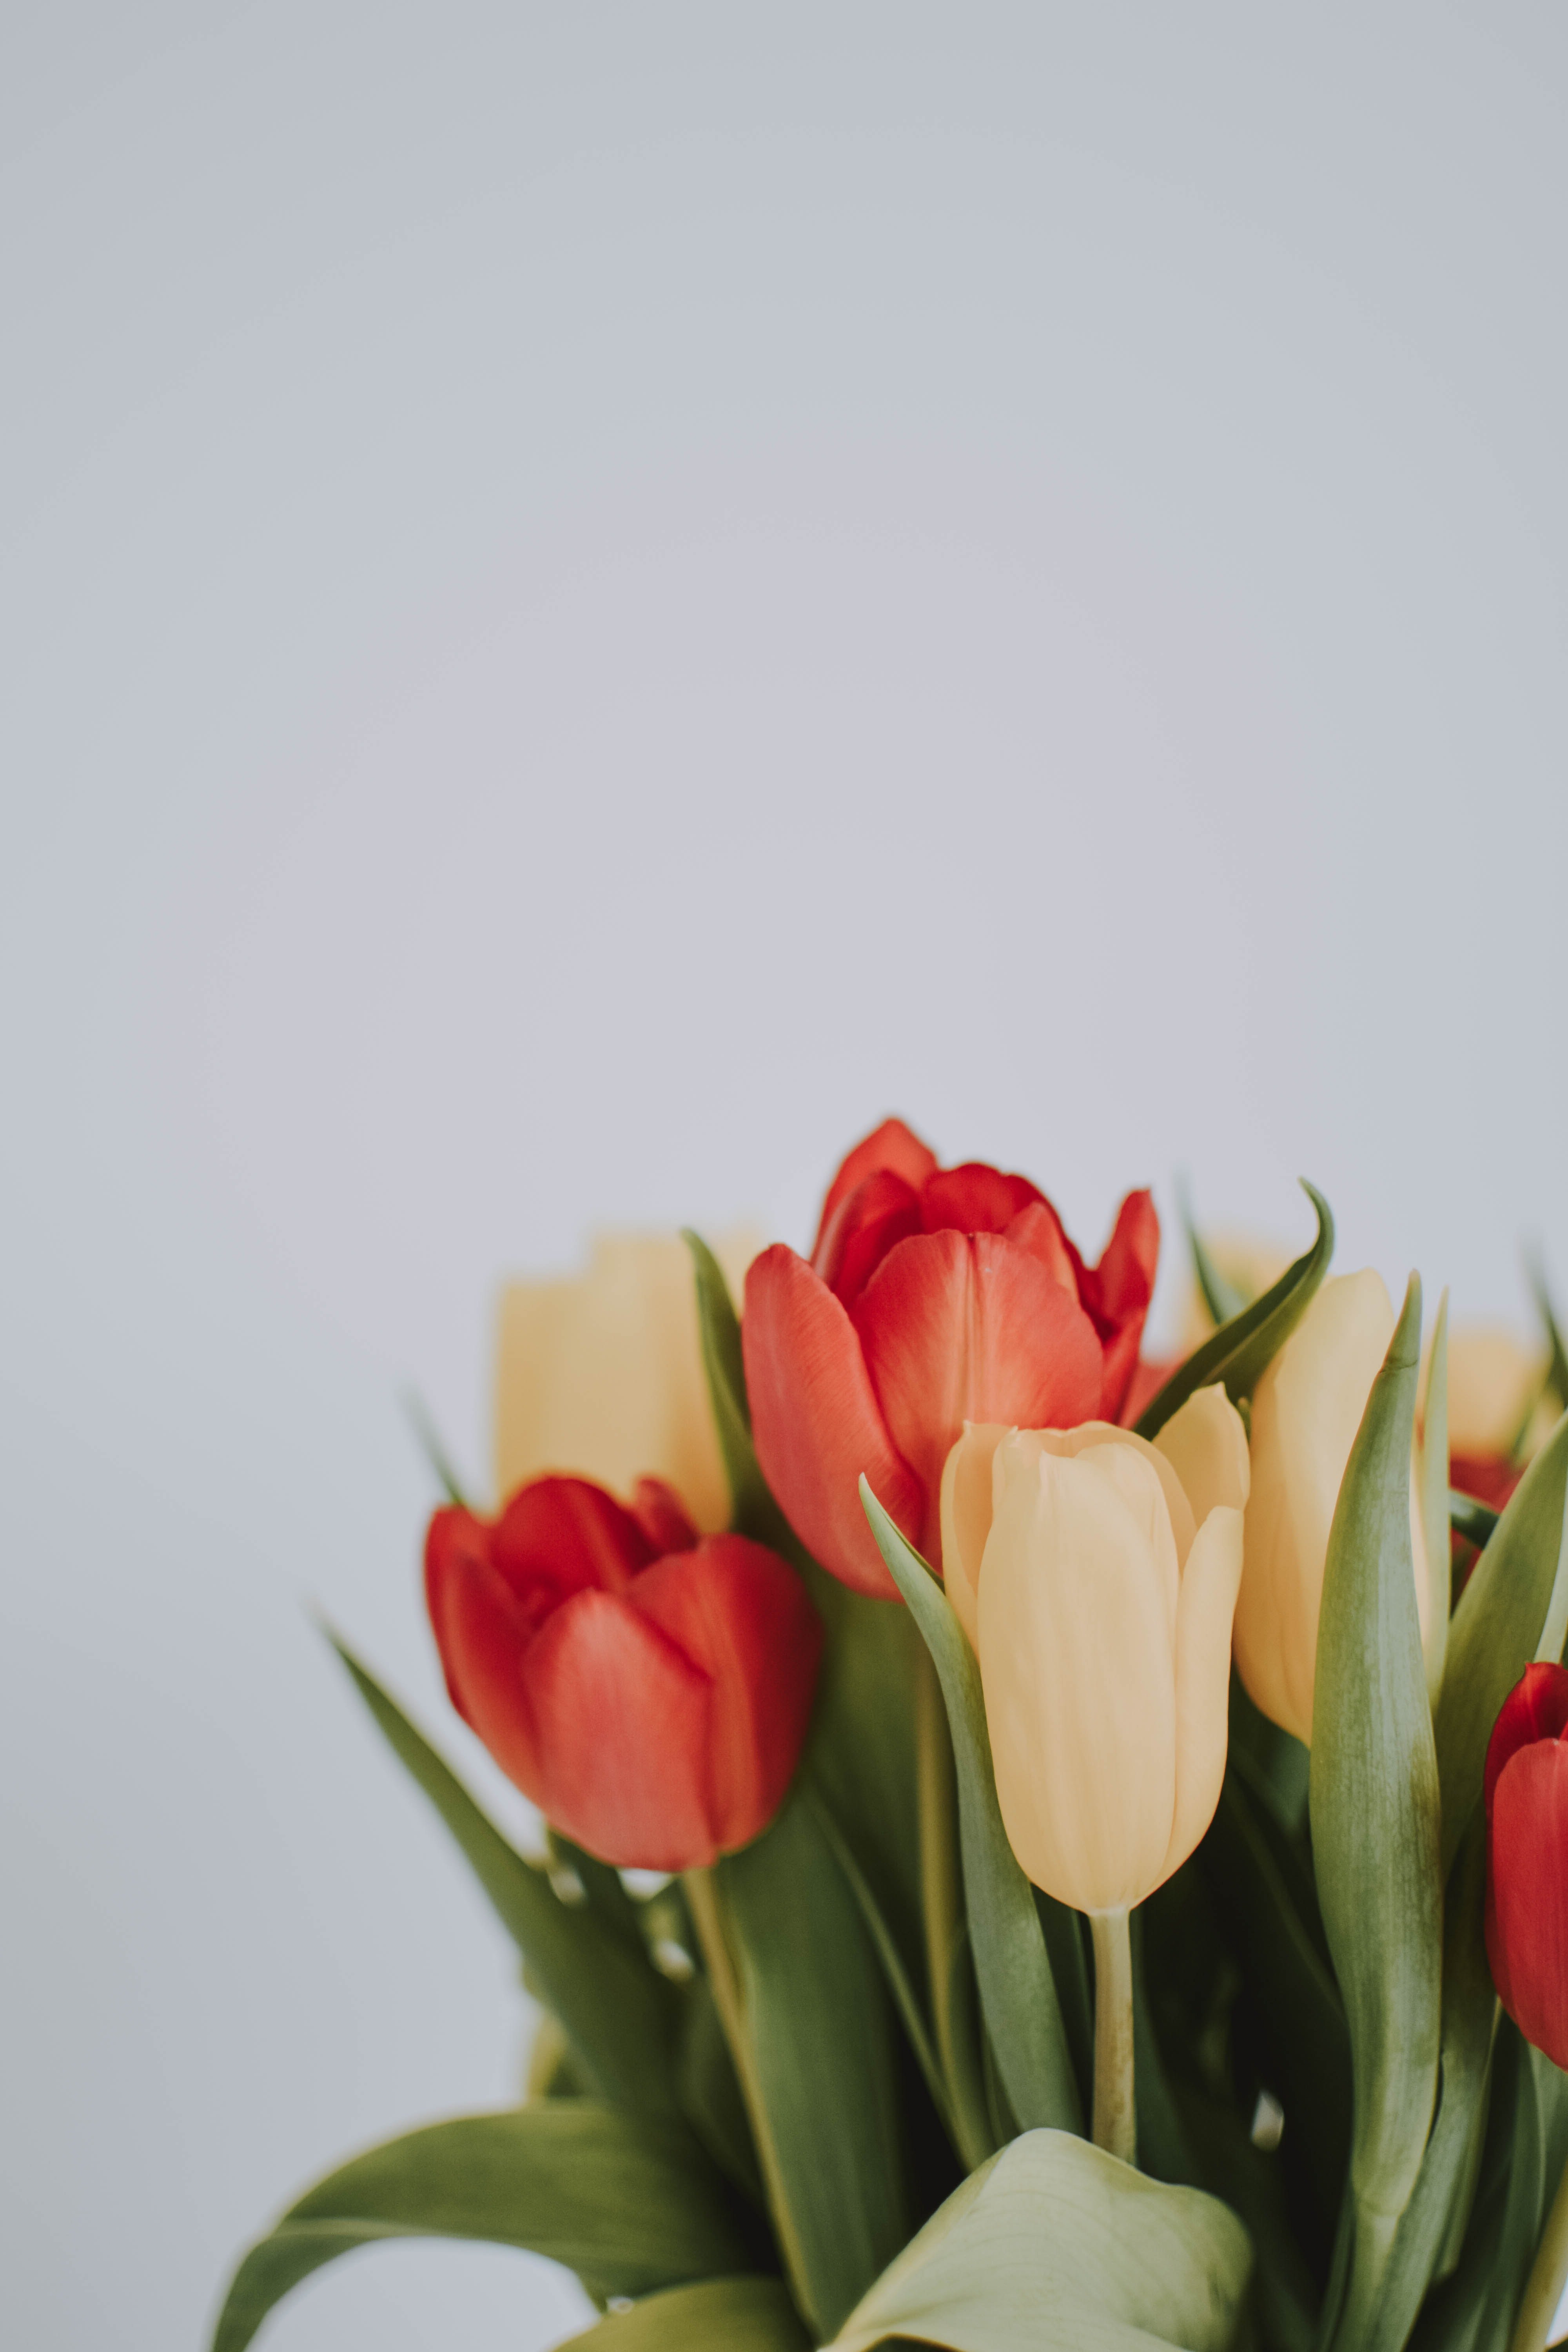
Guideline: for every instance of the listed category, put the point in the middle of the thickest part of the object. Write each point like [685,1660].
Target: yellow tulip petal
[1210,1582]
[965,1506]
[1206,1444]
[1492,1383]
[1077,1665]
[1069,1443]
[603,1375]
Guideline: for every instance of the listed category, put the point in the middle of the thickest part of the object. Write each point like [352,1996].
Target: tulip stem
[1548,2277]
[1115,2115]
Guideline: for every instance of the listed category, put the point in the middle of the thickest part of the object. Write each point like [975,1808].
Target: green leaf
[729,2314]
[1431,1466]
[1452,2152]
[1053,2246]
[1477,1522]
[904,1996]
[1242,1349]
[753,1511]
[1017,1992]
[619,2015]
[1222,1298]
[626,2204]
[422,1422]
[1497,1629]
[1374,1799]
[819,2051]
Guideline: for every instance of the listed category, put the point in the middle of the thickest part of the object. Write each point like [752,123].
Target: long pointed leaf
[818,2034]
[1373,1796]
[1242,1349]
[1017,1990]
[626,2204]
[619,2015]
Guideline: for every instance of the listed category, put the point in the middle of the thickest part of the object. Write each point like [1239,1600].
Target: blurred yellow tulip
[1305,1410]
[1096,1577]
[602,1374]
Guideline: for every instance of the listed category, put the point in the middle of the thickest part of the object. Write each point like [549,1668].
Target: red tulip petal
[891,1146]
[621,1719]
[862,1230]
[482,1630]
[743,1615]
[1527,1910]
[960,1328]
[816,1419]
[1039,1230]
[567,1533]
[661,1516]
[1129,1260]
[974,1199]
[1535,1708]
[1490,1478]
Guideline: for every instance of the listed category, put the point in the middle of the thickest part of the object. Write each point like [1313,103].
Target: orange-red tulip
[934,1297]
[649,1691]
[1527,1858]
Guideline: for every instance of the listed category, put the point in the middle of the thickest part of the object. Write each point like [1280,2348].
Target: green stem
[1115,2116]
[1548,2277]
[706,1914]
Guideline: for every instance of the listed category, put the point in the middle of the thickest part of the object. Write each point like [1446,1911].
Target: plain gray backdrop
[593,597]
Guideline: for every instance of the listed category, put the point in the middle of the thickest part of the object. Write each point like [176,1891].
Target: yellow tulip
[1495,1393]
[1305,1410]
[1097,1576]
[602,1374]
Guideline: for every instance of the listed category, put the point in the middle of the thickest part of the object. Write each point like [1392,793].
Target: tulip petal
[743,1615]
[965,1514]
[1069,1443]
[1210,1582]
[1206,1444]
[892,1146]
[661,1516]
[862,1230]
[817,1422]
[1039,1230]
[1536,1708]
[975,1199]
[1076,1660]
[620,1716]
[561,1534]
[1527,1910]
[1117,1293]
[483,1628]
[958,1328]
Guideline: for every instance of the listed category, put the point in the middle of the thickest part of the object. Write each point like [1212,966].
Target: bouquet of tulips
[1041,1848]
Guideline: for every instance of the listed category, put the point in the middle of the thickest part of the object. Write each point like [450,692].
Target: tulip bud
[1305,1410]
[1527,1858]
[602,1374]
[649,1691]
[1096,1577]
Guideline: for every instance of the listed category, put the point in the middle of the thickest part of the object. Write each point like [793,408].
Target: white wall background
[594,596]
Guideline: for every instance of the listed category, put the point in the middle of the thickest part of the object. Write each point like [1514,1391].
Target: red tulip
[648,1690]
[1527,1858]
[934,1297]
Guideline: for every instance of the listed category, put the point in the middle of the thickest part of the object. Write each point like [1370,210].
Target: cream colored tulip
[1305,1410]
[1097,1576]
[602,1374]
[1495,1393]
